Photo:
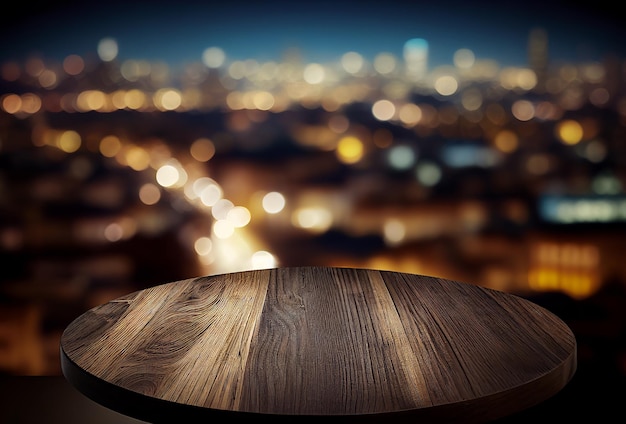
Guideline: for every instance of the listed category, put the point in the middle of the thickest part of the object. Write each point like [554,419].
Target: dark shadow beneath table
[51,400]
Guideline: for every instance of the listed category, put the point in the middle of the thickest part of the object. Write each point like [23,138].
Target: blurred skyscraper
[416,58]
[538,55]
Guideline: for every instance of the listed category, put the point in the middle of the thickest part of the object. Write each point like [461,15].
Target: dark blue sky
[322,30]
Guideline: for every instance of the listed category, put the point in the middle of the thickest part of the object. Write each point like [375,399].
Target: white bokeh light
[273,202]
[263,259]
[314,73]
[213,57]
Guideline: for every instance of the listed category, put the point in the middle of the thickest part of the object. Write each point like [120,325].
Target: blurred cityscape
[119,175]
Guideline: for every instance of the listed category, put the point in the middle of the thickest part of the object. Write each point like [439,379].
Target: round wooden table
[338,344]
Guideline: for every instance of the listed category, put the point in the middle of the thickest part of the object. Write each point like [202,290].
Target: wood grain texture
[342,343]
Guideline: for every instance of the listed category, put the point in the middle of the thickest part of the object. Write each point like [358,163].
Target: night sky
[178,32]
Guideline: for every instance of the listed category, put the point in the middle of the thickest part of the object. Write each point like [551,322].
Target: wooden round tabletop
[339,344]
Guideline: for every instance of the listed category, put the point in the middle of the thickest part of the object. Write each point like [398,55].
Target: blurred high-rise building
[416,58]
[538,56]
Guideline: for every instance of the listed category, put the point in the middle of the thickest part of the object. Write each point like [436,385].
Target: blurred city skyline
[417,135]
[178,32]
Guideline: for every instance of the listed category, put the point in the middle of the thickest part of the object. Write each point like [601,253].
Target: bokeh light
[273,202]
[107,49]
[464,58]
[73,64]
[149,194]
[350,149]
[446,85]
[213,57]
[202,149]
[569,131]
[314,73]
[383,110]
[401,157]
[352,62]
[263,259]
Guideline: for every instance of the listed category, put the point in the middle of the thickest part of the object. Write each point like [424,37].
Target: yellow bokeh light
[90,100]
[577,283]
[314,219]
[526,79]
[137,158]
[349,149]
[167,99]
[110,146]
[263,100]
[506,141]
[134,99]
[69,141]
[118,99]
[569,131]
